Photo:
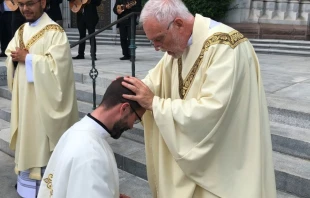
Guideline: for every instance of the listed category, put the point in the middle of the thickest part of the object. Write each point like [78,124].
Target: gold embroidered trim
[35,38]
[49,184]
[20,35]
[232,39]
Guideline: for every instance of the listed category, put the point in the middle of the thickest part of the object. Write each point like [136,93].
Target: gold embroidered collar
[37,36]
[232,39]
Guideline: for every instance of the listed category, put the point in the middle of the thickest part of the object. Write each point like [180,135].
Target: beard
[177,50]
[119,127]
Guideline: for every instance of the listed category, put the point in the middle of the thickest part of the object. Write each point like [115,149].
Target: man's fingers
[135,81]
[130,97]
[130,86]
[131,79]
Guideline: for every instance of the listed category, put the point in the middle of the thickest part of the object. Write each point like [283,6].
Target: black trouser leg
[91,29]
[123,30]
[128,38]
[82,31]
[6,33]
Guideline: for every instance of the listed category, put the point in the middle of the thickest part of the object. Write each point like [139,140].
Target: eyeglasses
[139,118]
[28,4]
[161,39]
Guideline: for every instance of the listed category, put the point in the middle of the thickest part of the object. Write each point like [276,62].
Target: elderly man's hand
[144,96]
[19,55]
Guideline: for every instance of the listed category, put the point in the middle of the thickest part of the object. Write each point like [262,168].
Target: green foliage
[215,9]
[143,2]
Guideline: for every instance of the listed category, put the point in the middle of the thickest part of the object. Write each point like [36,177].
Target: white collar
[33,24]
[102,132]
[190,41]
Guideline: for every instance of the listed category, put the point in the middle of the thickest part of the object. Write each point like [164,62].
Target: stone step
[109,38]
[282,52]
[288,47]
[265,46]
[107,42]
[281,194]
[292,174]
[288,111]
[274,41]
[290,140]
[103,34]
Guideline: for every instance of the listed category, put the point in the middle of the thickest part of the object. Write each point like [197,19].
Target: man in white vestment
[206,127]
[40,76]
[83,164]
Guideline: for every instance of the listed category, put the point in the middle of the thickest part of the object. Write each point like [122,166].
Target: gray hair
[164,11]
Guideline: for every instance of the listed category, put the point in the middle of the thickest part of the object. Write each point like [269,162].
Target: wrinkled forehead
[153,28]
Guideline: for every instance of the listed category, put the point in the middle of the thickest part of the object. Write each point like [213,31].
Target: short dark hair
[114,95]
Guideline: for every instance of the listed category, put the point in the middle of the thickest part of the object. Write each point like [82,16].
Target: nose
[156,45]
[157,48]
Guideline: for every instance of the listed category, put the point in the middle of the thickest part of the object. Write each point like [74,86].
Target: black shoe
[15,186]
[79,57]
[125,58]
[2,54]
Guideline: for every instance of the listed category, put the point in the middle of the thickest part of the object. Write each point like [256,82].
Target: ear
[124,107]
[43,3]
[178,22]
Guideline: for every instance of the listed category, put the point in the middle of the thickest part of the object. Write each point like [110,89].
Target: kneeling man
[83,164]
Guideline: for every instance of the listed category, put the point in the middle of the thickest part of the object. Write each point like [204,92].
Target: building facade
[266,19]
[271,19]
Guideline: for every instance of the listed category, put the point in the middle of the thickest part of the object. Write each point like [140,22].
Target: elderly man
[83,164]
[206,129]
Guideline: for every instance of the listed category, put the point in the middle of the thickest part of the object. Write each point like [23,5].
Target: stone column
[269,9]
[305,11]
[66,14]
[256,10]
[113,16]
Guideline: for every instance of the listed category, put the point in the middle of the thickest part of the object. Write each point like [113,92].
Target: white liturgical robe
[82,165]
[208,135]
[44,102]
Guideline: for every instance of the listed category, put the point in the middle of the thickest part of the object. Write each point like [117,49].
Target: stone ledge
[272,31]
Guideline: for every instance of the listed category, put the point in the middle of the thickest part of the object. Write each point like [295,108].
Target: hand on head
[144,96]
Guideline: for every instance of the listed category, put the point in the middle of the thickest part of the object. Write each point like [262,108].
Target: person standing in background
[121,9]
[87,19]
[17,20]
[5,27]
[54,12]
[41,79]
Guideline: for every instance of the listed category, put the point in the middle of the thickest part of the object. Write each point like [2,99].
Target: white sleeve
[29,71]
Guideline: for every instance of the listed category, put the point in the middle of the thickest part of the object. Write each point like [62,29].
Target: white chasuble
[82,165]
[208,134]
[44,109]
